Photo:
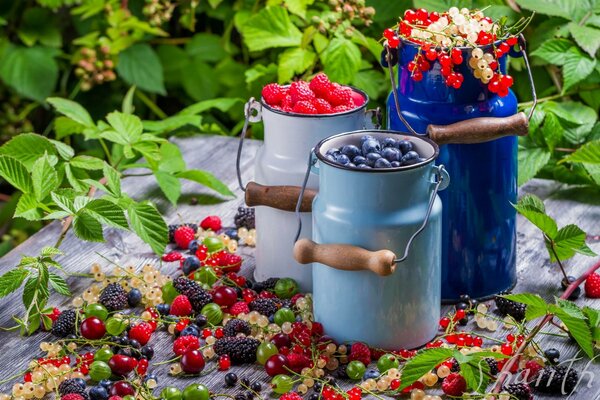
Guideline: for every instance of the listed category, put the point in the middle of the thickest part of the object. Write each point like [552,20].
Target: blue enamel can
[478,222]
[356,214]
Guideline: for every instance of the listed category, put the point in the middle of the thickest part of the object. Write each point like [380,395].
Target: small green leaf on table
[149,225]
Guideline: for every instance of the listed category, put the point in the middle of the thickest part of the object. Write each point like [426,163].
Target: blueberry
[351,151]
[163,309]
[232,233]
[564,284]
[382,163]
[341,159]
[231,379]
[330,157]
[391,154]
[190,264]
[272,318]
[190,331]
[98,393]
[405,146]
[395,164]
[410,158]
[372,157]
[575,294]
[147,351]
[371,146]
[193,246]
[245,381]
[363,166]
[79,382]
[105,383]
[333,152]
[351,165]
[134,297]
[359,160]
[201,321]
[364,138]
[371,374]
[389,142]
[553,355]
[256,386]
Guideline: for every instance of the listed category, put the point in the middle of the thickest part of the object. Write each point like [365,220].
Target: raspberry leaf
[536,306]
[88,228]
[15,173]
[72,110]
[271,27]
[147,222]
[422,363]
[139,65]
[59,284]
[12,280]
[578,327]
[207,179]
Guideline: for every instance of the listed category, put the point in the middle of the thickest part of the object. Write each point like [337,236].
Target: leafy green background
[193,70]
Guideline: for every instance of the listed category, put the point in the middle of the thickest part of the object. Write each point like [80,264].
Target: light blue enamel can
[376,246]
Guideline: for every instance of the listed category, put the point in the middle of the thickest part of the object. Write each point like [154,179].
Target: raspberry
[300,91]
[197,296]
[183,344]
[287,103]
[183,236]
[592,286]
[357,99]
[341,109]
[172,256]
[228,262]
[454,385]
[291,396]
[531,370]
[181,306]
[240,349]
[322,106]
[114,297]
[519,391]
[320,85]
[240,307]
[115,398]
[273,94]
[211,222]
[304,107]
[360,351]
[73,396]
[340,95]
[141,332]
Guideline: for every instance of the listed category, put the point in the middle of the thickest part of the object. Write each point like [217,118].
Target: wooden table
[217,154]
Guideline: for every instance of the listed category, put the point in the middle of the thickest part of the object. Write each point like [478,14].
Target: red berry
[454,385]
[360,351]
[240,307]
[181,306]
[410,15]
[224,362]
[304,107]
[395,384]
[592,286]
[92,328]
[507,81]
[388,33]
[141,332]
[417,76]
[322,106]
[277,364]
[291,396]
[412,66]
[460,314]
[206,332]
[281,340]
[510,338]
[211,222]
[179,326]
[444,322]
[431,55]
[219,333]
[183,344]
[444,59]
[121,364]
[511,41]
[192,362]
[422,15]
[72,396]
[320,84]
[183,236]
[357,98]
[224,296]
[172,256]
[122,388]
[477,341]
[273,94]
[339,95]
[506,349]
[300,91]
[394,42]
[503,47]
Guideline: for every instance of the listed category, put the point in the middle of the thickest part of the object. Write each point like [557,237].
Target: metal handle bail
[311,161]
[250,107]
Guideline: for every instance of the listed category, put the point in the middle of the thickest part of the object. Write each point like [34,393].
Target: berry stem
[553,249]
[509,365]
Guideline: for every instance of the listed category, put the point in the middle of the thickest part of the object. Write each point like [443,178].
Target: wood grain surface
[217,154]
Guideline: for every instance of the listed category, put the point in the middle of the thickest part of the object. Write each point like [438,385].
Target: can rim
[363,106]
[322,158]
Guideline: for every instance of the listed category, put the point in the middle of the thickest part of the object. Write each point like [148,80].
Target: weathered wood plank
[217,154]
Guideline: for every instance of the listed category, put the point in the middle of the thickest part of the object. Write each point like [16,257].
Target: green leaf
[72,110]
[206,47]
[172,123]
[422,363]
[294,61]
[127,106]
[475,374]
[87,228]
[198,80]
[149,225]
[271,27]
[171,158]
[64,202]
[554,51]
[569,240]
[572,10]
[12,280]
[577,67]
[341,60]
[531,161]
[140,66]
[578,328]
[552,131]
[536,306]
[533,202]
[127,128]
[113,180]
[207,179]
[27,148]
[39,25]
[169,184]
[222,104]
[64,127]
[44,178]
[15,173]
[371,81]
[589,153]
[27,208]
[74,180]
[587,38]
[107,213]
[32,71]
[64,150]
[87,162]
[49,251]
[572,111]
[545,223]
[59,284]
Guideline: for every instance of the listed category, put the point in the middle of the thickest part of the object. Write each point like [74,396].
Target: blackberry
[519,391]
[509,307]
[240,349]
[173,228]
[235,326]
[286,303]
[556,380]
[270,283]
[266,307]
[114,297]
[493,364]
[72,386]
[455,365]
[64,324]
[244,218]
[197,296]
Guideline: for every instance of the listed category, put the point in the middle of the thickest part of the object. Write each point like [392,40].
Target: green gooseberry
[264,351]
[128,397]
[213,313]
[171,393]
[284,315]
[355,370]
[196,391]
[387,361]
[115,326]
[213,244]
[99,370]
[103,355]
[169,292]
[96,310]
[206,275]
[285,288]
[282,384]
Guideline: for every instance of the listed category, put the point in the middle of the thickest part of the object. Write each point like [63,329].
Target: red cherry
[395,384]
[504,47]
[277,364]
[510,338]
[192,362]
[281,340]
[248,295]
[142,367]
[121,364]
[424,65]
[412,66]
[224,296]
[405,29]
[224,362]
[219,333]
[477,341]
[122,389]
[507,81]
[206,332]
[451,339]
[431,55]
[461,342]
[92,328]
[493,65]
[494,86]
[460,314]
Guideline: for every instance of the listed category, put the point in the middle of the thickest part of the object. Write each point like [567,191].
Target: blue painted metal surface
[379,210]
[479,223]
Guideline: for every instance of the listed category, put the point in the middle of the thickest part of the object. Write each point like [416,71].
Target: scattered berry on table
[212,223]
[241,307]
[181,306]
[509,307]
[134,297]
[74,396]
[519,391]
[197,296]
[360,352]
[240,349]
[64,324]
[173,228]
[235,326]
[560,380]
[454,385]
[592,286]
[244,218]
[183,236]
[113,297]
[72,386]
[141,332]
[172,256]
[231,379]
[184,344]
[266,307]
[552,355]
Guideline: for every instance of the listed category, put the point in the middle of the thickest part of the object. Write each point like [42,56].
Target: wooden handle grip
[345,257]
[479,130]
[279,197]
